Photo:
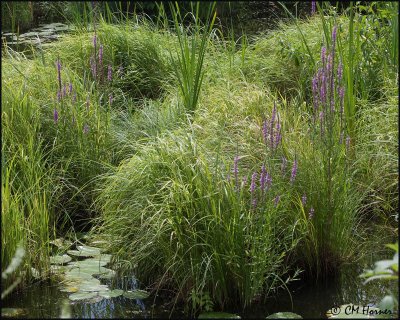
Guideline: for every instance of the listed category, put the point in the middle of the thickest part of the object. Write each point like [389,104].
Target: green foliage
[189,67]
[16,16]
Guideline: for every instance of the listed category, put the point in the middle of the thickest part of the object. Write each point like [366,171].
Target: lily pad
[77,274]
[111,294]
[284,315]
[82,296]
[136,294]
[109,275]
[60,259]
[218,315]
[84,251]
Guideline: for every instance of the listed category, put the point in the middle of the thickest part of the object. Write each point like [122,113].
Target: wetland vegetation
[177,156]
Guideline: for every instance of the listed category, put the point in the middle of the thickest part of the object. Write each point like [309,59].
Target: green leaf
[284,315]
[218,315]
[136,294]
[85,251]
[111,294]
[12,312]
[82,296]
[60,259]
[387,303]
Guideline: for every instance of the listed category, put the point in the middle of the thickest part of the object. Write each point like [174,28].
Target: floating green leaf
[136,294]
[82,296]
[284,315]
[218,315]
[111,294]
[85,251]
[60,259]
[77,274]
[109,275]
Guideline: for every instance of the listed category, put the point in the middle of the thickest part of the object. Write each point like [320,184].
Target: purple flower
[58,96]
[59,72]
[263,177]
[64,92]
[265,131]
[101,55]
[253,182]
[315,92]
[85,128]
[323,55]
[109,74]
[341,97]
[110,99]
[70,88]
[334,32]
[294,172]
[313,5]
[277,199]
[311,213]
[304,199]
[55,116]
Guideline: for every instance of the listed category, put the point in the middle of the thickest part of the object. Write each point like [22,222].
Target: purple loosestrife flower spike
[109,73]
[253,182]
[55,116]
[110,99]
[263,177]
[313,5]
[334,33]
[304,199]
[265,131]
[254,202]
[100,55]
[323,55]
[58,96]
[276,201]
[70,88]
[85,128]
[294,172]
[64,92]
[311,213]
[315,92]
[321,119]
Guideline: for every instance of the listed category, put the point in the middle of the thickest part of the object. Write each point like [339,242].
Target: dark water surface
[310,300]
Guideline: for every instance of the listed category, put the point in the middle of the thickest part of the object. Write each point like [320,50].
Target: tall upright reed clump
[192,50]
[26,180]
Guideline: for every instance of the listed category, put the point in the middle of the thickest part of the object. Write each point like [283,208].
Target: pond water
[312,300]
